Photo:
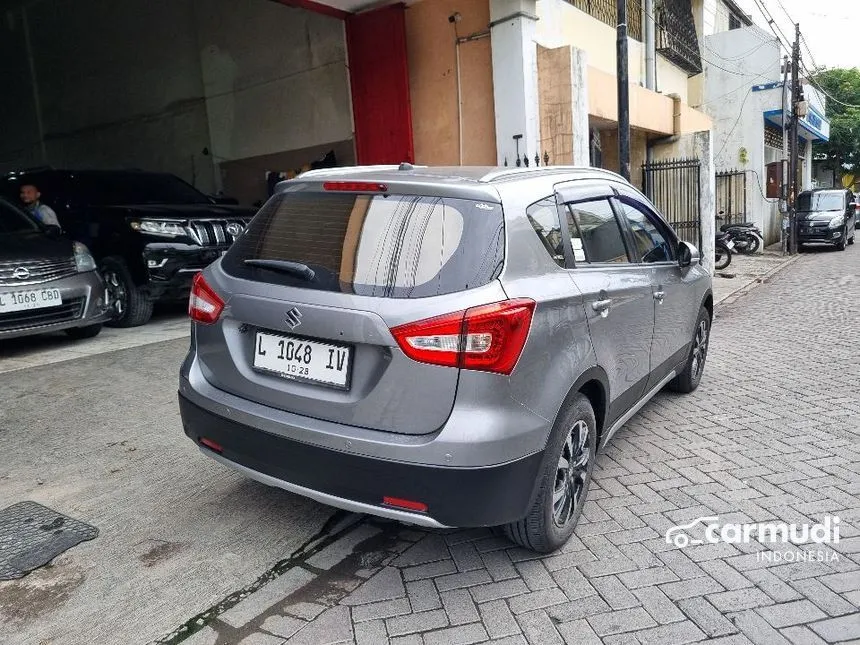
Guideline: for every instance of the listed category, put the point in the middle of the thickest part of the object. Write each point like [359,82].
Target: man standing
[30,195]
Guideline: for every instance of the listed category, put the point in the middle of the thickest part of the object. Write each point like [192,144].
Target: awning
[812,127]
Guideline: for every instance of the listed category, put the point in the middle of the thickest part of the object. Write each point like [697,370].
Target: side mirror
[53,230]
[687,254]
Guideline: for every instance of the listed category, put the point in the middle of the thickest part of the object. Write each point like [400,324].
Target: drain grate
[31,535]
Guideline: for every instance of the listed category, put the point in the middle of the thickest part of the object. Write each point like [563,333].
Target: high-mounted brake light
[355,186]
[204,305]
[489,338]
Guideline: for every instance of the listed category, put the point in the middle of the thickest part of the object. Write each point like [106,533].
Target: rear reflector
[355,186]
[405,504]
[488,338]
[211,445]
[204,305]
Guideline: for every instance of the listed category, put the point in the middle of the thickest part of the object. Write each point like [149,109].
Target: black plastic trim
[462,497]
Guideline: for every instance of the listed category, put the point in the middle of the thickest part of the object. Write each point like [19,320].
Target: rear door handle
[602,306]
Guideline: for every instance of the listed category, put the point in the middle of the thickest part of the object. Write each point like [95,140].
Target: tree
[842,152]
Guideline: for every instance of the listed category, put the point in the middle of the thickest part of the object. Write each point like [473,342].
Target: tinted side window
[650,244]
[543,216]
[399,246]
[595,233]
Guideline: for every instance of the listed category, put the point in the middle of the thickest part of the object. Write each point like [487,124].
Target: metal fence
[673,186]
[607,11]
[731,197]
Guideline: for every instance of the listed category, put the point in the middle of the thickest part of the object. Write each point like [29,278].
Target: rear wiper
[284,266]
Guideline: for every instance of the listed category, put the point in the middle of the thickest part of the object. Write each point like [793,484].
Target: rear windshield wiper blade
[284,266]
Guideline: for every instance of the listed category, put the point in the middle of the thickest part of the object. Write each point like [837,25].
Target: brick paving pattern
[772,434]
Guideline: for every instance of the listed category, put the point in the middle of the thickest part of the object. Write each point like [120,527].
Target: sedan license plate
[300,359]
[30,299]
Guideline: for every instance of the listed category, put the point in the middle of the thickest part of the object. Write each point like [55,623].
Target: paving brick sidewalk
[772,434]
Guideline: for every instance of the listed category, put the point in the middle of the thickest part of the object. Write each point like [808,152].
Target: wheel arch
[593,384]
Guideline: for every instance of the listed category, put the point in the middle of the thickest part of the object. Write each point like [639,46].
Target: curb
[749,286]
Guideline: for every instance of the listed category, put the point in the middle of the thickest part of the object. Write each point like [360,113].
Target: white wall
[738,111]
[515,78]
[563,24]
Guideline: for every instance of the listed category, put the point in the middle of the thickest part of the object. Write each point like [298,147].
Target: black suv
[149,232]
[825,216]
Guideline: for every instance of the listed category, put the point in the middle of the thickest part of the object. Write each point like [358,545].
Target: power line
[739,87]
[693,52]
[774,27]
[741,56]
[809,79]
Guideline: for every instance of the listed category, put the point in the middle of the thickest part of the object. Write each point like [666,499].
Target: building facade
[743,88]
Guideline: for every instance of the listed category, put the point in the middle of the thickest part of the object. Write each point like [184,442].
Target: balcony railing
[676,35]
[607,11]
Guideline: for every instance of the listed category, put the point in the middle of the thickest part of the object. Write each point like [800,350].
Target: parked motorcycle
[723,246]
[746,236]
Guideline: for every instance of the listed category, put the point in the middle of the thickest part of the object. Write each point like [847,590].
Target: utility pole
[623,94]
[783,168]
[792,142]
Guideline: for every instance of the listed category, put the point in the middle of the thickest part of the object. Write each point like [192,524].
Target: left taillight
[488,338]
[204,305]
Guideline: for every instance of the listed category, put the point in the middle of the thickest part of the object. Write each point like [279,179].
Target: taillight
[204,305]
[488,338]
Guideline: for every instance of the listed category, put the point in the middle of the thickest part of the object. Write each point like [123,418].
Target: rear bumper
[461,497]
[83,305]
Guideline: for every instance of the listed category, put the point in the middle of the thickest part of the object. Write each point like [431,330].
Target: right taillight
[488,338]
[204,305]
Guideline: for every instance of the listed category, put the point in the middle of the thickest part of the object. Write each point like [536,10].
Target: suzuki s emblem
[22,273]
[234,229]
[294,318]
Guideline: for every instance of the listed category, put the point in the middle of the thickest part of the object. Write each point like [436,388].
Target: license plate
[299,359]
[730,244]
[30,299]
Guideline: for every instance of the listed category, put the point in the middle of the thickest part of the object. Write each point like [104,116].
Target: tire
[549,524]
[851,239]
[723,257]
[840,245]
[80,333]
[132,306]
[750,244]
[688,380]
[755,244]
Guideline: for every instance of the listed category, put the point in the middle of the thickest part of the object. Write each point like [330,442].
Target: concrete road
[99,438]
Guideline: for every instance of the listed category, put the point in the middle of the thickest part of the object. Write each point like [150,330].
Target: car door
[655,247]
[617,293]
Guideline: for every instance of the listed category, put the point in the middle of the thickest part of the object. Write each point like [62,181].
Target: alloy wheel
[116,293]
[571,474]
[700,349]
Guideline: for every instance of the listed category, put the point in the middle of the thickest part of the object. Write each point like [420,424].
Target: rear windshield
[386,246]
[820,202]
